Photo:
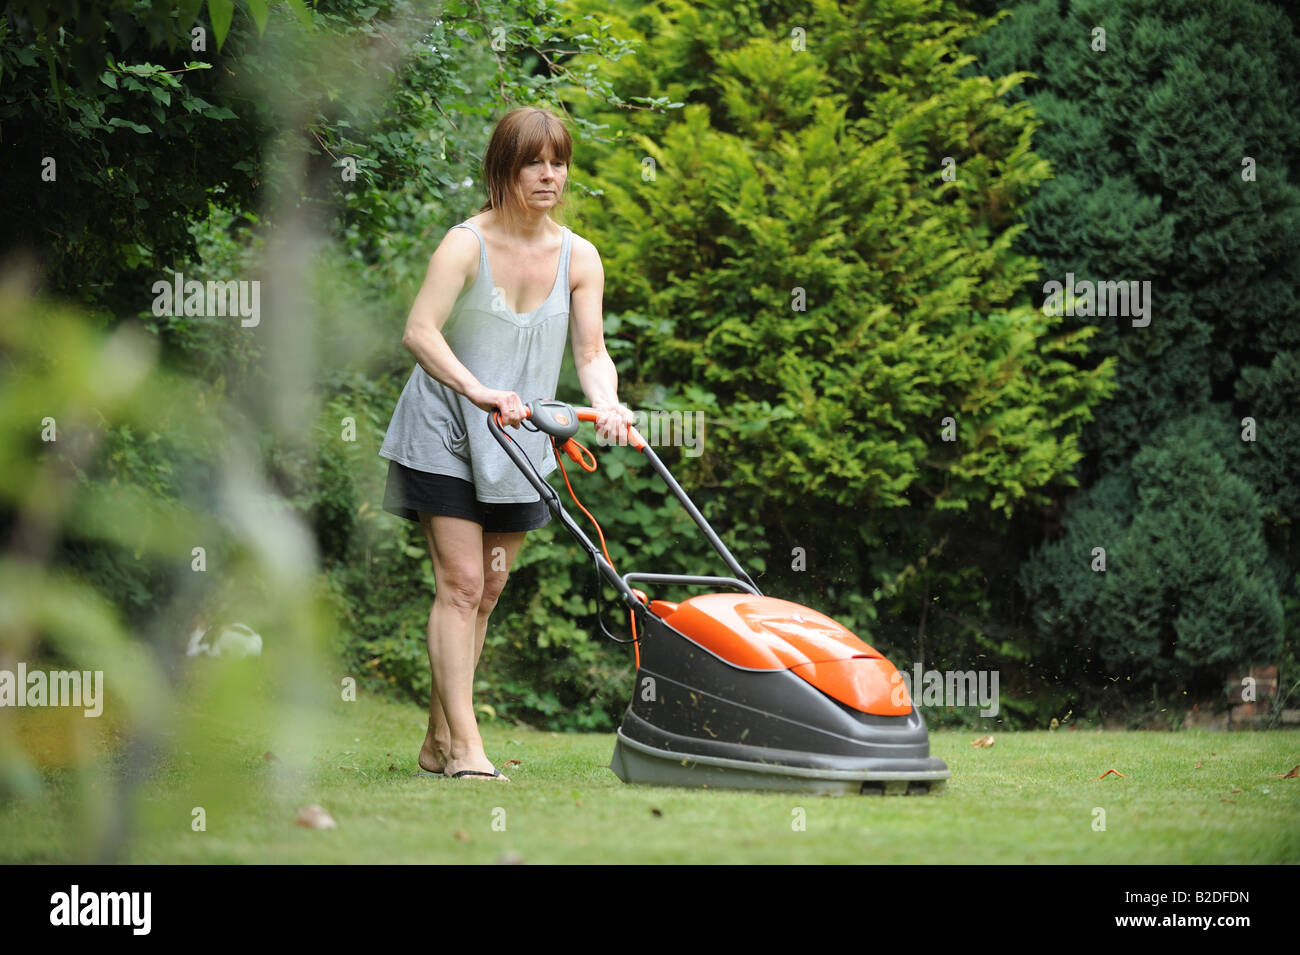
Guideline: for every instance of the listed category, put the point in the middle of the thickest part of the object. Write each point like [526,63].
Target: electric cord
[635,640]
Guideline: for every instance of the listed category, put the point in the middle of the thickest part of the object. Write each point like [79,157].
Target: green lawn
[1030,798]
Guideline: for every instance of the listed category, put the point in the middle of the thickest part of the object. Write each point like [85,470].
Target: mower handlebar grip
[561,420]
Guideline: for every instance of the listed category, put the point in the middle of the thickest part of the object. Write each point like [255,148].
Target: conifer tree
[1174,130]
[817,249]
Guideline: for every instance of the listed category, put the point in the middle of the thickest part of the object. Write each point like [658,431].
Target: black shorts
[410,491]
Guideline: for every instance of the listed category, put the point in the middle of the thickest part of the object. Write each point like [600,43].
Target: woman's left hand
[612,422]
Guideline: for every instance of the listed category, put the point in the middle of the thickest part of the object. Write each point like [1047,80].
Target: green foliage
[909,281]
[212,348]
[152,111]
[1270,396]
[126,528]
[381,98]
[1154,141]
[1185,592]
[1149,139]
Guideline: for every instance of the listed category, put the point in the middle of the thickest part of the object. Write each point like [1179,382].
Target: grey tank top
[436,429]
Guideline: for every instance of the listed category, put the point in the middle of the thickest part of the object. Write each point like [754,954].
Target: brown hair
[519,137]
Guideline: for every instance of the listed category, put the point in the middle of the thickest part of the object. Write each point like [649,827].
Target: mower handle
[552,417]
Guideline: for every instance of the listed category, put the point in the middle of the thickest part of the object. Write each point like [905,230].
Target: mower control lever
[554,417]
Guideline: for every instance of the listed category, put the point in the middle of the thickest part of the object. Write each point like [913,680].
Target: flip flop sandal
[475,772]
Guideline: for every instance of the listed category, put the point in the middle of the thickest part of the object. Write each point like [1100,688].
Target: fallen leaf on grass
[1234,790]
[462,835]
[1294,774]
[1226,799]
[1109,771]
[391,767]
[270,757]
[511,762]
[1198,765]
[657,813]
[315,817]
[983,742]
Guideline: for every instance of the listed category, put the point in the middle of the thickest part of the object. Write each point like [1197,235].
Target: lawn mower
[735,689]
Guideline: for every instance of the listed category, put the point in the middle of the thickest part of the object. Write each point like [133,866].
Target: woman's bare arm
[450,272]
[596,371]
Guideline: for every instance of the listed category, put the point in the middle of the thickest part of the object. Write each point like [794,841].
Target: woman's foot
[433,754]
[474,764]
[435,757]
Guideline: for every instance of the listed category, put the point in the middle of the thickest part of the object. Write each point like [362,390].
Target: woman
[489,326]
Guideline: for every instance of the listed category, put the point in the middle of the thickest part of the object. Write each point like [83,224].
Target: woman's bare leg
[437,740]
[433,753]
[456,546]
[499,553]
[467,592]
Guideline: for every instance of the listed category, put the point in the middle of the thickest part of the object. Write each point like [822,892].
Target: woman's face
[542,179]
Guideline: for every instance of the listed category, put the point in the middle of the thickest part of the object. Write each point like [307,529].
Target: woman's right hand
[508,403]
